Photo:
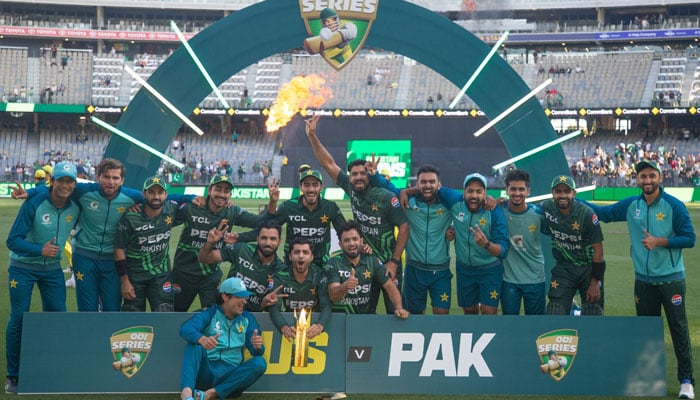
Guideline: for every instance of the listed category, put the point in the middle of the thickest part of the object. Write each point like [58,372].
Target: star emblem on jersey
[660,216]
[375,207]
[312,291]
[444,297]
[367,274]
[494,294]
[168,220]
[69,218]
[575,226]
[121,209]
[324,219]
[439,211]
[13,284]
[554,284]
[79,276]
[482,221]
[531,228]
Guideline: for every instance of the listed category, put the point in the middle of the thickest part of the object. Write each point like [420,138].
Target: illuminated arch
[272,27]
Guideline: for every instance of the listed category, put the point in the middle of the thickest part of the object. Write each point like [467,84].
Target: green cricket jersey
[257,277]
[573,234]
[313,225]
[146,240]
[377,211]
[312,293]
[369,271]
[197,223]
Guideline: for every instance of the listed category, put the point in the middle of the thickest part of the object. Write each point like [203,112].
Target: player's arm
[612,212]
[325,305]
[401,240]
[337,290]
[395,298]
[378,180]
[682,227]
[17,238]
[208,254]
[320,151]
[597,273]
[127,289]
[499,234]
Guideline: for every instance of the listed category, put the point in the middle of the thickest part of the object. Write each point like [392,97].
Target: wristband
[598,270]
[121,267]
[395,260]
[487,245]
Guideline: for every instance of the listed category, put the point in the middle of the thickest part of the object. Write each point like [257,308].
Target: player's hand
[50,249]
[136,208]
[311,125]
[593,292]
[366,249]
[490,203]
[289,332]
[273,187]
[209,342]
[403,198]
[199,201]
[128,292]
[649,241]
[450,233]
[372,165]
[479,238]
[216,233]
[272,298]
[352,281]
[401,313]
[391,268]
[256,340]
[314,330]
[18,191]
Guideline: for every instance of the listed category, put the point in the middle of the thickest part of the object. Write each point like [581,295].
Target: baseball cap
[153,181]
[647,164]
[65,169]
[47,169]
[564,179]
[234,287]
[220,178]
[477,176]
[39,174]
[310,172]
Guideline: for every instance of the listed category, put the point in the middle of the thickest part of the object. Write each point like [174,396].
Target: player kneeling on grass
[215,337]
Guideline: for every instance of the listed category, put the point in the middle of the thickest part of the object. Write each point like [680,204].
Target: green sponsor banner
[395,157]
[40,107]
[534,355]
[142,353]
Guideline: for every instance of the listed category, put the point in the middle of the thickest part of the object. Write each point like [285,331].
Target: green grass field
[618,292]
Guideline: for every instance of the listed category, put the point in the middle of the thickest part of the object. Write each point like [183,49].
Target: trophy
[301,343]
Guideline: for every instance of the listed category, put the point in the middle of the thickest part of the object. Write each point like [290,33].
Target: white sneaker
[687,391]
[339,395]
[71,281]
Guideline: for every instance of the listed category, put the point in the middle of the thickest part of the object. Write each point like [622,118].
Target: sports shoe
[687,391]
[11,385]
[71,281]
[339,395]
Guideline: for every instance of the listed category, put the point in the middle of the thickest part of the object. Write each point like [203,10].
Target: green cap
[153,181]
[310,172]
[220,178]
[328,13]
[647,164]
[564,179]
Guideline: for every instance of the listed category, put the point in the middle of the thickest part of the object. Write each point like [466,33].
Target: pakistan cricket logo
[130,348]
[557,350]
[337,34]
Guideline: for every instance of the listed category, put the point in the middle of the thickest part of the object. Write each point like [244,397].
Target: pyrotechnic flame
[300,93]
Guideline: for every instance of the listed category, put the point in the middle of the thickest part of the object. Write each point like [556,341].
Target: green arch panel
[271,27]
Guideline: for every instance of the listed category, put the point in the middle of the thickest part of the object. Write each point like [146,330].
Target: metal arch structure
[272,27]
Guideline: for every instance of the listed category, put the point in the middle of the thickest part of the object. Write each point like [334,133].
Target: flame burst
[300,93]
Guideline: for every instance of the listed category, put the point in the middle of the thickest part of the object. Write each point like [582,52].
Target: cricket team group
[120,256]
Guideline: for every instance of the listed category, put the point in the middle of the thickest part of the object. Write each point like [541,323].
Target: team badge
[339,31]
[676,299]
[130,348]
[557,350]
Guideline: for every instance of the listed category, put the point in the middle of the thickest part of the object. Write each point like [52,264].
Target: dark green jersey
[197,223]
[369,271]
[311,293]
[377,211]
[573,234]
[146,240]
[257,277]
[313,225]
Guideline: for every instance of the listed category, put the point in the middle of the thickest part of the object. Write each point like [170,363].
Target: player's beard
[474,204]
[267,251]
[155,204]
[352,253]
